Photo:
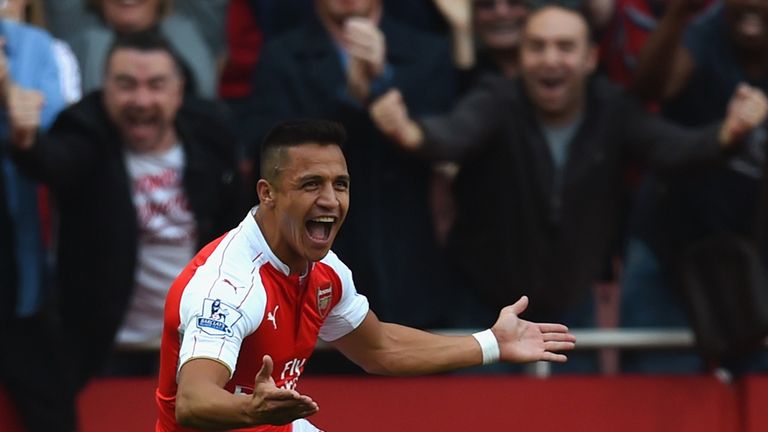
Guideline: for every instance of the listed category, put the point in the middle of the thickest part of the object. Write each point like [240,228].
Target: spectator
[90,31]
[494,25]
[142,179]
[29,92]
[553,145]
[701,63]
[351,52]
[69,71]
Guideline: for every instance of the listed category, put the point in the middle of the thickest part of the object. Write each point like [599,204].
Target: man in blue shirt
[30,371]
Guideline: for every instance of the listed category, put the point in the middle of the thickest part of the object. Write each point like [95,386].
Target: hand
[275,406]
[367,50]
[390,115]
[456,12]
[24,110]
[747,109]
[522,341]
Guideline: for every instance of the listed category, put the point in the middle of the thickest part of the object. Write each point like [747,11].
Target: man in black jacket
[142,178]
[541,188]
[331,68]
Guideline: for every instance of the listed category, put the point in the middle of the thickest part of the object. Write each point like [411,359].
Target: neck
[507,62]
[265,220]
[168,140]
[555,120]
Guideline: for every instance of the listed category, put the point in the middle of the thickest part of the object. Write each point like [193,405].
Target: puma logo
[271,317]
[226,281]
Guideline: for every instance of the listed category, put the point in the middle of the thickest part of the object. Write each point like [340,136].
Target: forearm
[400,350]
[660,60]
[212,407]
[463,46]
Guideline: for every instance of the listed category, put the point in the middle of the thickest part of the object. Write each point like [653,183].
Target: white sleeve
[351,309]
[69,71]
[215,318]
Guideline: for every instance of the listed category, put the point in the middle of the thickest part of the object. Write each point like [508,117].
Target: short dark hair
[295,133]
[578,7]
[144,41]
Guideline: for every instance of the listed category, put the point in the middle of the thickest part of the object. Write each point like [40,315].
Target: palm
[522,341]
[456,12]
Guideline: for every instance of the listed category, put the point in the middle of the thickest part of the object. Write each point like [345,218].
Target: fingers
[285,411]
[366,42]
[265,373]
[520,306]
[558,346]
[747,109]
[553,357]
[389,113]
[552,328]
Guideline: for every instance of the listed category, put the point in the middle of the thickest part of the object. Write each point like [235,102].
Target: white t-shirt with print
[167,240]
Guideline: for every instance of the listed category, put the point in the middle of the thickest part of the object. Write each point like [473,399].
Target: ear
[265,191]
[593,56]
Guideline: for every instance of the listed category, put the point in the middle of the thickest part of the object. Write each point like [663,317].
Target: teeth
[325,219]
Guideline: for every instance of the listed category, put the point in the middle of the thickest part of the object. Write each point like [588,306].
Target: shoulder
[227,271]
[88,115]
[26,33]
[333,263]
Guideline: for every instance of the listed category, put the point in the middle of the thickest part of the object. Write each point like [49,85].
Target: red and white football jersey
[235,302]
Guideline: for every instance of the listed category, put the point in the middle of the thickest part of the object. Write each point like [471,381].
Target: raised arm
[391,349]
[458,14]
[202,401]
[472,122]
[665,65]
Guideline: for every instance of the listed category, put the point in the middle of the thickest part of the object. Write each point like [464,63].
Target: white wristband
[488,345]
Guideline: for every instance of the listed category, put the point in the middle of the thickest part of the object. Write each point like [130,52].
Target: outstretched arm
[202,401]
[458,14]
[391,349]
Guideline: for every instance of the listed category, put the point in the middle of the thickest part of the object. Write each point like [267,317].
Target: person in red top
[244,316]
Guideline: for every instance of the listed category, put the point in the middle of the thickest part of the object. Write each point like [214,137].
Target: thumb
[520,305]
[743,90]
[265,373]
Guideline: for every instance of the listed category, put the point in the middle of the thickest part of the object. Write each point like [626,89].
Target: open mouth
[319,228]
[551,83]
[142,123]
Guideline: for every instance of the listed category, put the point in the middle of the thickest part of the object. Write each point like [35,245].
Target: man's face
[748,23]
[498,23]
[311,198]
[142,93]
[556,59]
[130,15]
[339,10]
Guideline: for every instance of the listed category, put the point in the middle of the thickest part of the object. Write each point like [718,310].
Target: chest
[294,314]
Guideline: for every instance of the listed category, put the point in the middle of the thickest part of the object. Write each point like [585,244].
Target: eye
[341,185]
[310,185]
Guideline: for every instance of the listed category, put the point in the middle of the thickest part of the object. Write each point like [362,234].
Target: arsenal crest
[324,297]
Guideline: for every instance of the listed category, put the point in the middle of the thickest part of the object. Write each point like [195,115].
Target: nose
[551,56]
[142,96]
[327,197]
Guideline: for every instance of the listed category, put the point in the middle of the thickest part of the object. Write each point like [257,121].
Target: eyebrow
[319,177]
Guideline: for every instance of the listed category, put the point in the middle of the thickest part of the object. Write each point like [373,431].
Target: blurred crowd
[603,157]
